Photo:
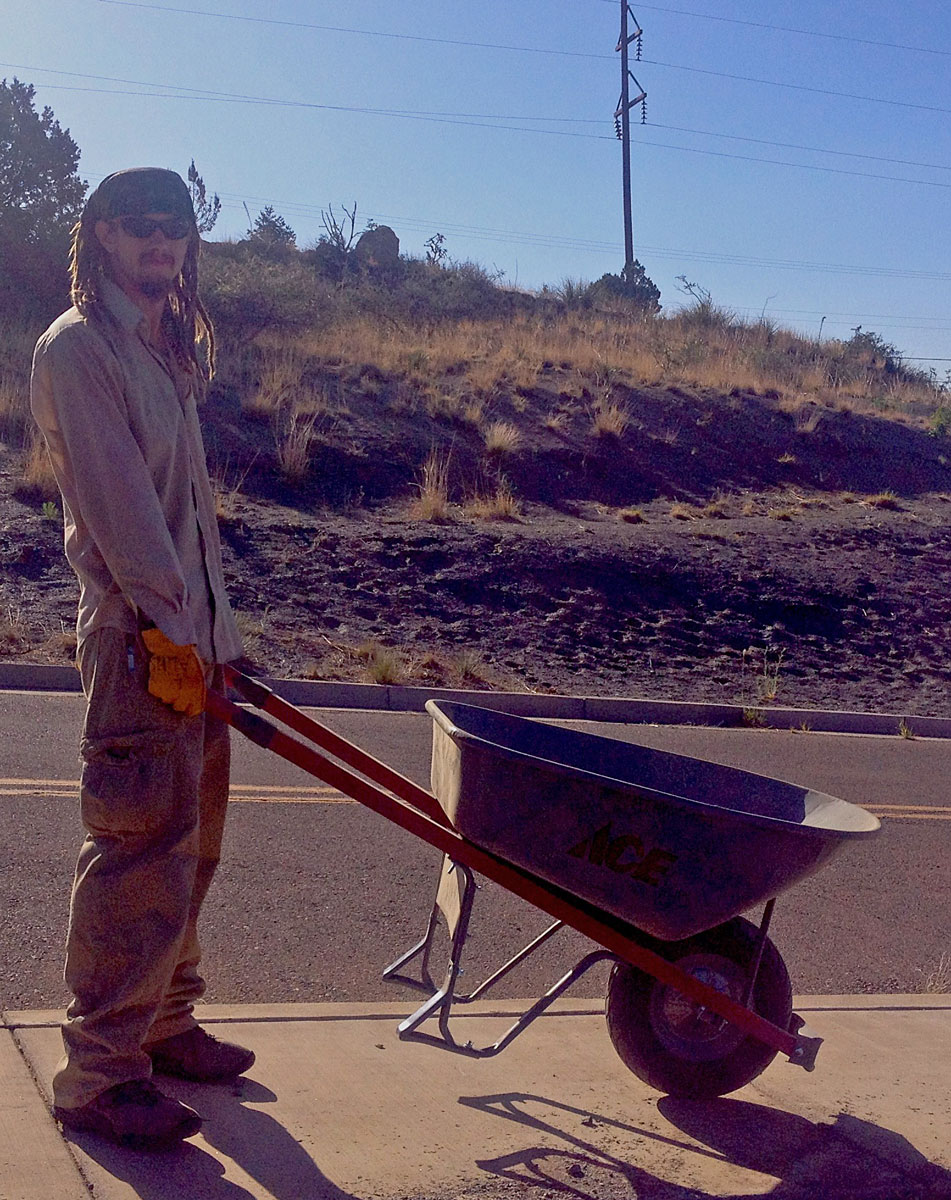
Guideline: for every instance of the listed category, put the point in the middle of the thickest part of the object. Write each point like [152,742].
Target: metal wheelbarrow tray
[651,855]
[672,844]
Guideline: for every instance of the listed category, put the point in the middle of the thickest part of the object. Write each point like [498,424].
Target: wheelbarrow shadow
[253,1140]
[846,1159]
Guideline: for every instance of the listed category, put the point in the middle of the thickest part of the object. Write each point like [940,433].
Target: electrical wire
[525,49]
[837,37]
[238,98]
[798,87]
[736,137]
[517,237]
[405,37]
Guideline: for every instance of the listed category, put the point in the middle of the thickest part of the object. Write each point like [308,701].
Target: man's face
[142,260]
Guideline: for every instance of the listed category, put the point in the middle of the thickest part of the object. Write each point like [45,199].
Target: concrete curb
[29,677]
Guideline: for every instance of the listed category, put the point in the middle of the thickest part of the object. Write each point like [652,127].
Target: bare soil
[767,556]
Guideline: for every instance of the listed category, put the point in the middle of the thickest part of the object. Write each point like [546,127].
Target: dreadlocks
[186,322]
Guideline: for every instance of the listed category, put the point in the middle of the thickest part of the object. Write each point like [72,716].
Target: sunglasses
[174,228]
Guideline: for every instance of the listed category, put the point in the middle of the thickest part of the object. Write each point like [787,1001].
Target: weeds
[887,500]
[500,505]
[432,503]
[633,516]
[382,665]
[293,437]
[502,437]
[937,982]
[760,671]
[609,419]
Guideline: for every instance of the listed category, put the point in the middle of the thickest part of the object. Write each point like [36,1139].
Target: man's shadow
[843,1160]
[252,1139]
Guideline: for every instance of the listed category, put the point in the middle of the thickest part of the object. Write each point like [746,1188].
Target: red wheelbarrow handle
[418,812]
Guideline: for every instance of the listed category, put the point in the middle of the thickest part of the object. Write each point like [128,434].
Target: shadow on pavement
[847,1159]
[252,1139]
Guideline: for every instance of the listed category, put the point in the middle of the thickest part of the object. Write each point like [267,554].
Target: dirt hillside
[727,547]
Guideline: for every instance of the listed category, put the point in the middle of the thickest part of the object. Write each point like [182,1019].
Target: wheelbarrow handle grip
[262,697]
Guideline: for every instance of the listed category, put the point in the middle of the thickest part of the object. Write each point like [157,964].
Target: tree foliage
[41,194]
[41,197]
[633,285]
[206,210]
[270,229]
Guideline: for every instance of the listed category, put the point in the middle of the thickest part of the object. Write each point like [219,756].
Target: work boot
[134,1114]
[199,1057]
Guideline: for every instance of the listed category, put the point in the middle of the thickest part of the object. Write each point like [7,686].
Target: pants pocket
[128,784]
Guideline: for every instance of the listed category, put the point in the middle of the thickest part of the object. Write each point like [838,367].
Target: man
[114,389]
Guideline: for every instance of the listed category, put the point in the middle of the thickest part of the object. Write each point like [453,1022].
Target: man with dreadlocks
[114,390]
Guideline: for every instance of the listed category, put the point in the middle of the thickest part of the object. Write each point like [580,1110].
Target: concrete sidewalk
[337,1107]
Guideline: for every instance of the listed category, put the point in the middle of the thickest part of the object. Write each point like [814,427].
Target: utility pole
[622,119]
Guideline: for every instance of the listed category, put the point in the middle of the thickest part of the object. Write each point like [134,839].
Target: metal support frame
[454,900]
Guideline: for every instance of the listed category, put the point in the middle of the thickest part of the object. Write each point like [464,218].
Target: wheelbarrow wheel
[676,1045]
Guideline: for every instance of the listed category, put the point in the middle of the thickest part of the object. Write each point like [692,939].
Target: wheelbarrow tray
[671,844]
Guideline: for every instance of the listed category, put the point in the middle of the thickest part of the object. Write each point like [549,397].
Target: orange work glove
[176,673]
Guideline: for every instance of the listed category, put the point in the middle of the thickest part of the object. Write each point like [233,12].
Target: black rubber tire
[673,1044]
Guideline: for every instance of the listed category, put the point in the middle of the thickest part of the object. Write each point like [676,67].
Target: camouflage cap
[139,190]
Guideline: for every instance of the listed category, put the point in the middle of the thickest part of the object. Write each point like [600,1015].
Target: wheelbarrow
[651,855]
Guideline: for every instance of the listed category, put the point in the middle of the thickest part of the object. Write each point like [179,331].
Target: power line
[526,49]
[838,37]
[405,37]
[519,237]
[799,87]
[736,137]
[181,93]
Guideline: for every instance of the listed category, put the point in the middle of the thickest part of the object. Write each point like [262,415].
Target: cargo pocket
[128,784]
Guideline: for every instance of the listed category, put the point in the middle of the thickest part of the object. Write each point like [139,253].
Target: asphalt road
[316,895]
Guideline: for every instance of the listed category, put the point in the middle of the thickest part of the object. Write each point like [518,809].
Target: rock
[378,249]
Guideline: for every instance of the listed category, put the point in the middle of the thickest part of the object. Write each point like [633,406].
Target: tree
[41,197]
[633,285]
[270,229]
[206,211]
[41,194]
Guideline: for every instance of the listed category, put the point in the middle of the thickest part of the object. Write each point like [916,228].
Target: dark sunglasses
[174,228]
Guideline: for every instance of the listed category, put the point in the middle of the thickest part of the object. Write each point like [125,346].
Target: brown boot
[199,1057]
[134,1114]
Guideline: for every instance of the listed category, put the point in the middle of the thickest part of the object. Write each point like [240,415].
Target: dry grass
[294,433]
[382,664]
[432,503]
[886,500]
[682,511]
[38,481]
[718,508]
[15,633]
[499,505]
[633,516]
[937,981]
[502,437]
[609,418]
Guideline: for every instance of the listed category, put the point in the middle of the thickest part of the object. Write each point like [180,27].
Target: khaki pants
[153,794]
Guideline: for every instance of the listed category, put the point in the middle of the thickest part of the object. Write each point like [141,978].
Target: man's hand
[176,673]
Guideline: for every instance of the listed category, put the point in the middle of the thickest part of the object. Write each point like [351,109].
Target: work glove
[176,673]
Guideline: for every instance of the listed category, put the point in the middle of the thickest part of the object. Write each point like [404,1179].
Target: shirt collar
[125,311]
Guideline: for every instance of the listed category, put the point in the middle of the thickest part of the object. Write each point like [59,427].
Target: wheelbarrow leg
[443,903]
[454,899]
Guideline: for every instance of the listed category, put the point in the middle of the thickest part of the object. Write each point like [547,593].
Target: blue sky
[496,130]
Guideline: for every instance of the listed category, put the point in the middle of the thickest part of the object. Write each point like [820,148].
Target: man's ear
[106,233]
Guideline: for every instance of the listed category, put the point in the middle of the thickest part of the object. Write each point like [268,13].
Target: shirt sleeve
[77,401]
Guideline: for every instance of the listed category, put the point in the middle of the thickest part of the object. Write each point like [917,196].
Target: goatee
[154,289]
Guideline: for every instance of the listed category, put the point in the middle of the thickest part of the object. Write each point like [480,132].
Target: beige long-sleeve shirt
[126,448]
